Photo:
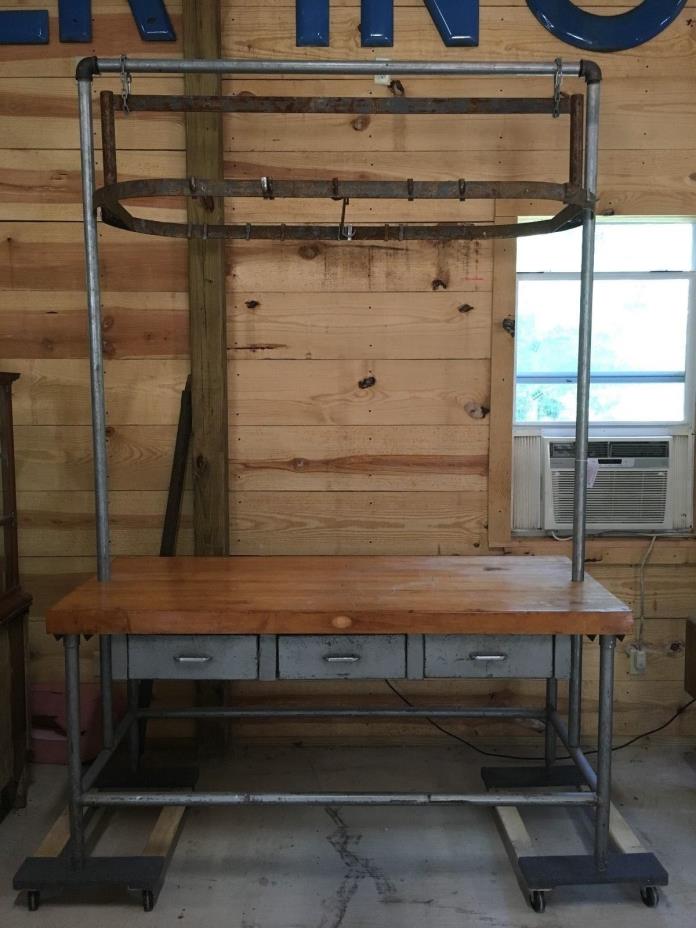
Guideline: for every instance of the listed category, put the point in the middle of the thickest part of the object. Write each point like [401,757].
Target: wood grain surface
[365,595]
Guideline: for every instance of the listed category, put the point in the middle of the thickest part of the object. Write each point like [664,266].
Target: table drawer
[332,657]
[193,657]
[490,656]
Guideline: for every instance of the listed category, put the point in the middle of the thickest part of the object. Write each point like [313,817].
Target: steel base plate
[52,873]
[580,869]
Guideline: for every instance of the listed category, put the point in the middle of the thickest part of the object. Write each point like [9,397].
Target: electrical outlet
[637,659]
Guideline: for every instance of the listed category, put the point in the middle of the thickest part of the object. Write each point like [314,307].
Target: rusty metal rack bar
[358,106]
[110,198]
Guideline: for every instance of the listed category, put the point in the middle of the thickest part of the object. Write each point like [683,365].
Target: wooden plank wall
[317,464]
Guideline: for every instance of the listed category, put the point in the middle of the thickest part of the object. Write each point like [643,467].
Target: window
[642,335]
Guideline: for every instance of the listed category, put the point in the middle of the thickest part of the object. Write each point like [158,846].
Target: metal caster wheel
[650,896]
[33,900]
[537,900]
[148,900]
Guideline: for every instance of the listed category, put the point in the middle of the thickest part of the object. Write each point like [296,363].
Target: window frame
[654,427]
[502,424]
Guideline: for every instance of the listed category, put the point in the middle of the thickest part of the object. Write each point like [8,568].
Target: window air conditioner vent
[629,484]
[617,498]
[635,483]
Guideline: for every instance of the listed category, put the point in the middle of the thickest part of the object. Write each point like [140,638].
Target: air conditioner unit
[634,483]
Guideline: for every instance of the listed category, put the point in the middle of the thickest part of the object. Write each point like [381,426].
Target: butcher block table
[337,595]
[342,618]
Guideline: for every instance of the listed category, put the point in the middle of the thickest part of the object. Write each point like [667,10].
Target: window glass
[620,246]
[625,333]
[641,354]
[640,403]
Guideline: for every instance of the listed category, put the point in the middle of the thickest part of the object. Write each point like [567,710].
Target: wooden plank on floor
[164,835]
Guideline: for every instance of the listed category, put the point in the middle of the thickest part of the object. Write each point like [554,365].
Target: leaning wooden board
[363,595]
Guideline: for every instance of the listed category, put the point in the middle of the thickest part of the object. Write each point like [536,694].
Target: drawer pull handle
[192,659]
[478,656]
[342,658]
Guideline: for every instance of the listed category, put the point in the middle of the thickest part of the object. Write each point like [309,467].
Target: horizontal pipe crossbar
[378,66]
[166,798]
[195,712]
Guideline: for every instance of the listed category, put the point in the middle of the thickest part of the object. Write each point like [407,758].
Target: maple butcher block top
[340,595]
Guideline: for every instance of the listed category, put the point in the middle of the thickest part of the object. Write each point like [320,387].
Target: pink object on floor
[48,735]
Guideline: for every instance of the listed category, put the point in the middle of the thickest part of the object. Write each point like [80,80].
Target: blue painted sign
[457,22]
[597,33]
[30,27]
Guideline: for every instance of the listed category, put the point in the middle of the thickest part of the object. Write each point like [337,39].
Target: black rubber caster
[650,896]
[148,900]
[537,900]
[33,900]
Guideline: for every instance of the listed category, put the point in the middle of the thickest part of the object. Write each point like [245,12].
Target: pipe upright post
[585,336]
[583,399]
[84,89]
[134,730]
[607,645]
[550,732]
[71,644]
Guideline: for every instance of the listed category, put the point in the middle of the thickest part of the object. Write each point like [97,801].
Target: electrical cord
[641,598]
[469,744]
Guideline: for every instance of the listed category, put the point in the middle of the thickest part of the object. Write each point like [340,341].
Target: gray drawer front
[489,656]
[193,657]
[333,657]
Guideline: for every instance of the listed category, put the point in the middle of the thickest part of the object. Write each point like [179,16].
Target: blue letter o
[606,33]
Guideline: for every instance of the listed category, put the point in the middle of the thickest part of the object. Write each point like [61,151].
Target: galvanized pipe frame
[90,67]
[418,712]
[222,798]
[109,198]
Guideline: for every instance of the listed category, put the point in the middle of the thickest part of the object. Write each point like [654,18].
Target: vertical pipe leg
[607,644]
[105,677]
[99,443]
[134,730]
[72,698]
[575,691]
[550,735]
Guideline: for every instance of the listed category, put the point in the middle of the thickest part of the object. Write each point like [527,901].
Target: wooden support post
[207,325]
[207,315]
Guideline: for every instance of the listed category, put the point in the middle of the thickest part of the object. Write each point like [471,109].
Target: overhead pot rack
[574,197]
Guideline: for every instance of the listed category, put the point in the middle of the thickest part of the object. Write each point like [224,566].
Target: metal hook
[345,231]
[557,81]
[126,81]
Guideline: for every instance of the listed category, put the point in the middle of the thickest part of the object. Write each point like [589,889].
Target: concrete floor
[368,868]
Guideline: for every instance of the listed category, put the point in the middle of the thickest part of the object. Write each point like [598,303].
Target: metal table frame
[507,787]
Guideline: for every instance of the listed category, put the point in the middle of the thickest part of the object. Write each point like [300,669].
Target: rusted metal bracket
[575,199]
